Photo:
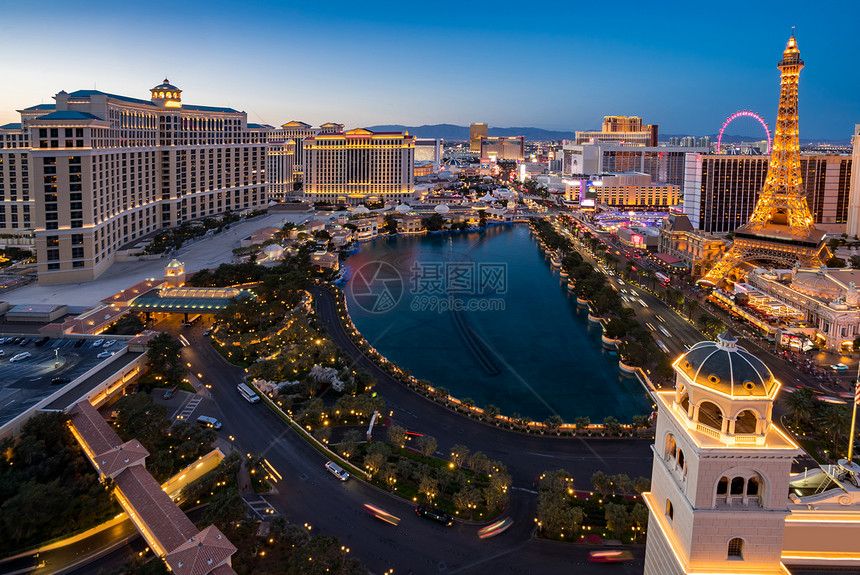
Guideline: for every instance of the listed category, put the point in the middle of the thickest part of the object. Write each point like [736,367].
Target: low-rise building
[827,296]
[696,249]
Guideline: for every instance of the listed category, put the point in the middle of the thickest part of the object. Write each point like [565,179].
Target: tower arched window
[746,422]
[670,512]
[711,415]
[738,486]
[736,548]
[752,486]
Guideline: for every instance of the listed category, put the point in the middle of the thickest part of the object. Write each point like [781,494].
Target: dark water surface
[520,342]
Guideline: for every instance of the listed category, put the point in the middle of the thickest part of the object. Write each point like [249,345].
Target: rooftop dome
[724,367]
[816,283]
[361,210]
[165,86]
[402,209]
[174,264]
[441,209]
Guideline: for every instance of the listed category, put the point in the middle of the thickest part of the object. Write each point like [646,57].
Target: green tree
[433,223]
[390,224]
[602,483]
[397,436]
[373,463]
[428,487]
[553,422]
[642,484]
[479,463]
[491,411]
[459,455]
[690,306]
[617,518]
[835,262]
[163,357]
[639,516]
[801,404]
[225,507]
[427,445]
[467,499]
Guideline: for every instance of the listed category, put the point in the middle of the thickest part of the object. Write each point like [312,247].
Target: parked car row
[22,341]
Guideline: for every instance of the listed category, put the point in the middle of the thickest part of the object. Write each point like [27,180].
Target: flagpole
[854,416]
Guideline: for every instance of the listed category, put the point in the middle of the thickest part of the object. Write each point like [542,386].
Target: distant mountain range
[452,132]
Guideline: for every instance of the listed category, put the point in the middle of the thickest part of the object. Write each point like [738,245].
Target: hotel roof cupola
[166,95]
[724,391]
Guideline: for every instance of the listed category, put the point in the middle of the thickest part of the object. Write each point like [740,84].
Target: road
[309,494]
[684,333]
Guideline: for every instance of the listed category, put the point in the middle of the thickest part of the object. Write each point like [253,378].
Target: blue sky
[559,65]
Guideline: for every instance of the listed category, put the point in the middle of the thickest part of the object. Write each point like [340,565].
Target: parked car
[42,341]
[61,380]
[98,342]
[21,356]
[109,343]
[435,515]
[25,341]
[105,354]
[169,393]
[80,342]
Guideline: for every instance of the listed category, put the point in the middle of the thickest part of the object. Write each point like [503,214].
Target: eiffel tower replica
[781,229]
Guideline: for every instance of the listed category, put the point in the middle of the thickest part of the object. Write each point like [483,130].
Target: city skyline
[562,68]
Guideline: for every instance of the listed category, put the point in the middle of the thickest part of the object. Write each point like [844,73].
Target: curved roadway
[308,493]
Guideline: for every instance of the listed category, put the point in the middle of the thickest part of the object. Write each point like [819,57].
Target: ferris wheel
[740,114]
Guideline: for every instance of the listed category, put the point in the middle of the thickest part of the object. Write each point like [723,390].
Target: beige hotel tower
[95,171]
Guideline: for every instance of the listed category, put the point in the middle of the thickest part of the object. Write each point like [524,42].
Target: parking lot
[48,369]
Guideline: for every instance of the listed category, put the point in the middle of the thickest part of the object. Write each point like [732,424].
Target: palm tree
[836,419]
[649,277]
[690,305]
[800,404]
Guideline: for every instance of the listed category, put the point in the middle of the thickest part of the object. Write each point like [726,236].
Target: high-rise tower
[781,228]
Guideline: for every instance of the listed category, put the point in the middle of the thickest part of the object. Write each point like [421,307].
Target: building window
[736,548]
[77,264]
[78,253]
[53,255]
[670,513]
[53,266]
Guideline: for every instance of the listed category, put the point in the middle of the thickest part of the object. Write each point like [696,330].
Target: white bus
[247,393]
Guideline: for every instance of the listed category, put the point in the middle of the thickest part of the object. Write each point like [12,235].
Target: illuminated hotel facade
[503,147]
[721,191]
[286,156]
[96,171]
[358,165]
[627,129]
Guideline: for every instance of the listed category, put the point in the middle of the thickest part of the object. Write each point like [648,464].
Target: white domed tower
[174,273]
[166,95]
[719,486]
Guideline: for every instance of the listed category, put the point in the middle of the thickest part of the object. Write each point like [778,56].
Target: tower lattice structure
[781,228]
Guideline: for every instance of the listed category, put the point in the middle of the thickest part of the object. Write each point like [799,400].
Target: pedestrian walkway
[189,408]
[262,508]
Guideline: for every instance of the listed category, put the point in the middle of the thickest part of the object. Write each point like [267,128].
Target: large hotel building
[95,171]
[359,165]
[720,191]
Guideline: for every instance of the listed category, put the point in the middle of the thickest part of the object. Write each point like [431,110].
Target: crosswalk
[189,408]
[261,508]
